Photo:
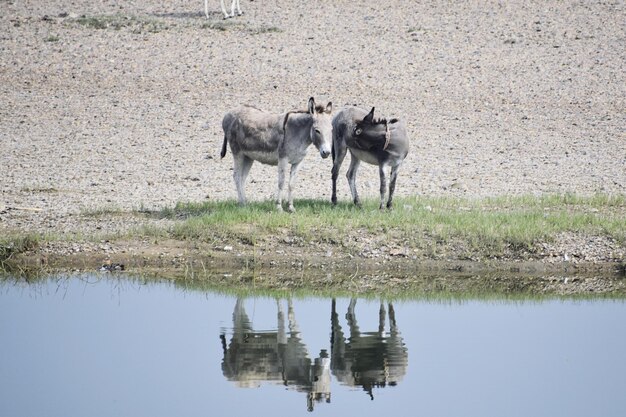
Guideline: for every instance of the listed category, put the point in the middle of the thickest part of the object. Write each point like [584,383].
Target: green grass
[12,245]
[264,29]
[220,25]
[146,24]
[426,226]
[484,224]
[117,21]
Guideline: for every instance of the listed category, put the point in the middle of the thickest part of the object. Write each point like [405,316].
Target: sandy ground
[515,97]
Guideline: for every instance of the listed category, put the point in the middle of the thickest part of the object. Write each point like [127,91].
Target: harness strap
[387,136]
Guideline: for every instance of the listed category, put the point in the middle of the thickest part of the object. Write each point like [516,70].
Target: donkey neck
[296,136]
[298,128]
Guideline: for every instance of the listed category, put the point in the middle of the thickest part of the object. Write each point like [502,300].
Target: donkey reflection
[253,357]
[370,359]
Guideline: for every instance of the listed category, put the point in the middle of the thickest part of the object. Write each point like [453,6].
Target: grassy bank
[14,244]
[485,225]
[418,228]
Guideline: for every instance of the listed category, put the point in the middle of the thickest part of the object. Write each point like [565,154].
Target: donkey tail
[223,153]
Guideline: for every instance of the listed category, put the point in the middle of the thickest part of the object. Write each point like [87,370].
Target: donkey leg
[351,175]
[292,179]
[339,153]
[239,12]
[238,169]
[246,164]
[282,167]
[383,185]
[226,15]
[392,184]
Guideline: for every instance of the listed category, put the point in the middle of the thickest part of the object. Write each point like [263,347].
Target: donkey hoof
[291,209]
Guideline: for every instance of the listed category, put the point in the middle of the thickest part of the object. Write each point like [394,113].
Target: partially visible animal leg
[292,179]
[245,168]
[383,185]
[239,177]
[392,184]
[239,12]
[226,15]
[206,8]
[282,168]
[339,153]
[351,175]
[381,319]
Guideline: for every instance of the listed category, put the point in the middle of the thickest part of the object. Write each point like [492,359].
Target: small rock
[112,267]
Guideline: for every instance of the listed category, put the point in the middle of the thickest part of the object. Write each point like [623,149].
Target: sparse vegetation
[264,29]
[487,226]
[418,228]
[14,244]
[220,25]
[117,21]
[141,24]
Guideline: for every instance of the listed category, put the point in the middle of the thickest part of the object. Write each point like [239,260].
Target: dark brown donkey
[375,141]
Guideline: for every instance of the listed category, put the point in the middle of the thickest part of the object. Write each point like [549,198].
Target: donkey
[375,141]
[275,139]
[234,4]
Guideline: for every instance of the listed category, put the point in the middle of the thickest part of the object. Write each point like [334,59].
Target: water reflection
[255,356]
[365,359]
[130,339]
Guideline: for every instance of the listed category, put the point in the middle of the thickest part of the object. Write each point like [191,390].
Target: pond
[104,346]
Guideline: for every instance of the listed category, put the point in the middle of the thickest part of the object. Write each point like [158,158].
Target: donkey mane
[318,109]
[383,121]
[253,107]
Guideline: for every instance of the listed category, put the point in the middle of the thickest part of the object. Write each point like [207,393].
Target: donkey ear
[329,107]
[370,116]
[311,105]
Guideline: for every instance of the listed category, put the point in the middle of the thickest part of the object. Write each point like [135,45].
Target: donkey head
[322,128]
[372,131]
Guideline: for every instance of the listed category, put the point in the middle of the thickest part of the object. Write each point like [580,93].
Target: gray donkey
[275,139]
[375,141]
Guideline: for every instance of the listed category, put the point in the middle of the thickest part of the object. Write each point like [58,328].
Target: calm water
[101,347]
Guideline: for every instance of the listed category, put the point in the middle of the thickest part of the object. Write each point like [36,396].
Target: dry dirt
[500,98]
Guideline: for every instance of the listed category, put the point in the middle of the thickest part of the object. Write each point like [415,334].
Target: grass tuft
[14,245]
[117,22]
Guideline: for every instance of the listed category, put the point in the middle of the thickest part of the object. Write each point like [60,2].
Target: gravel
[517,97]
